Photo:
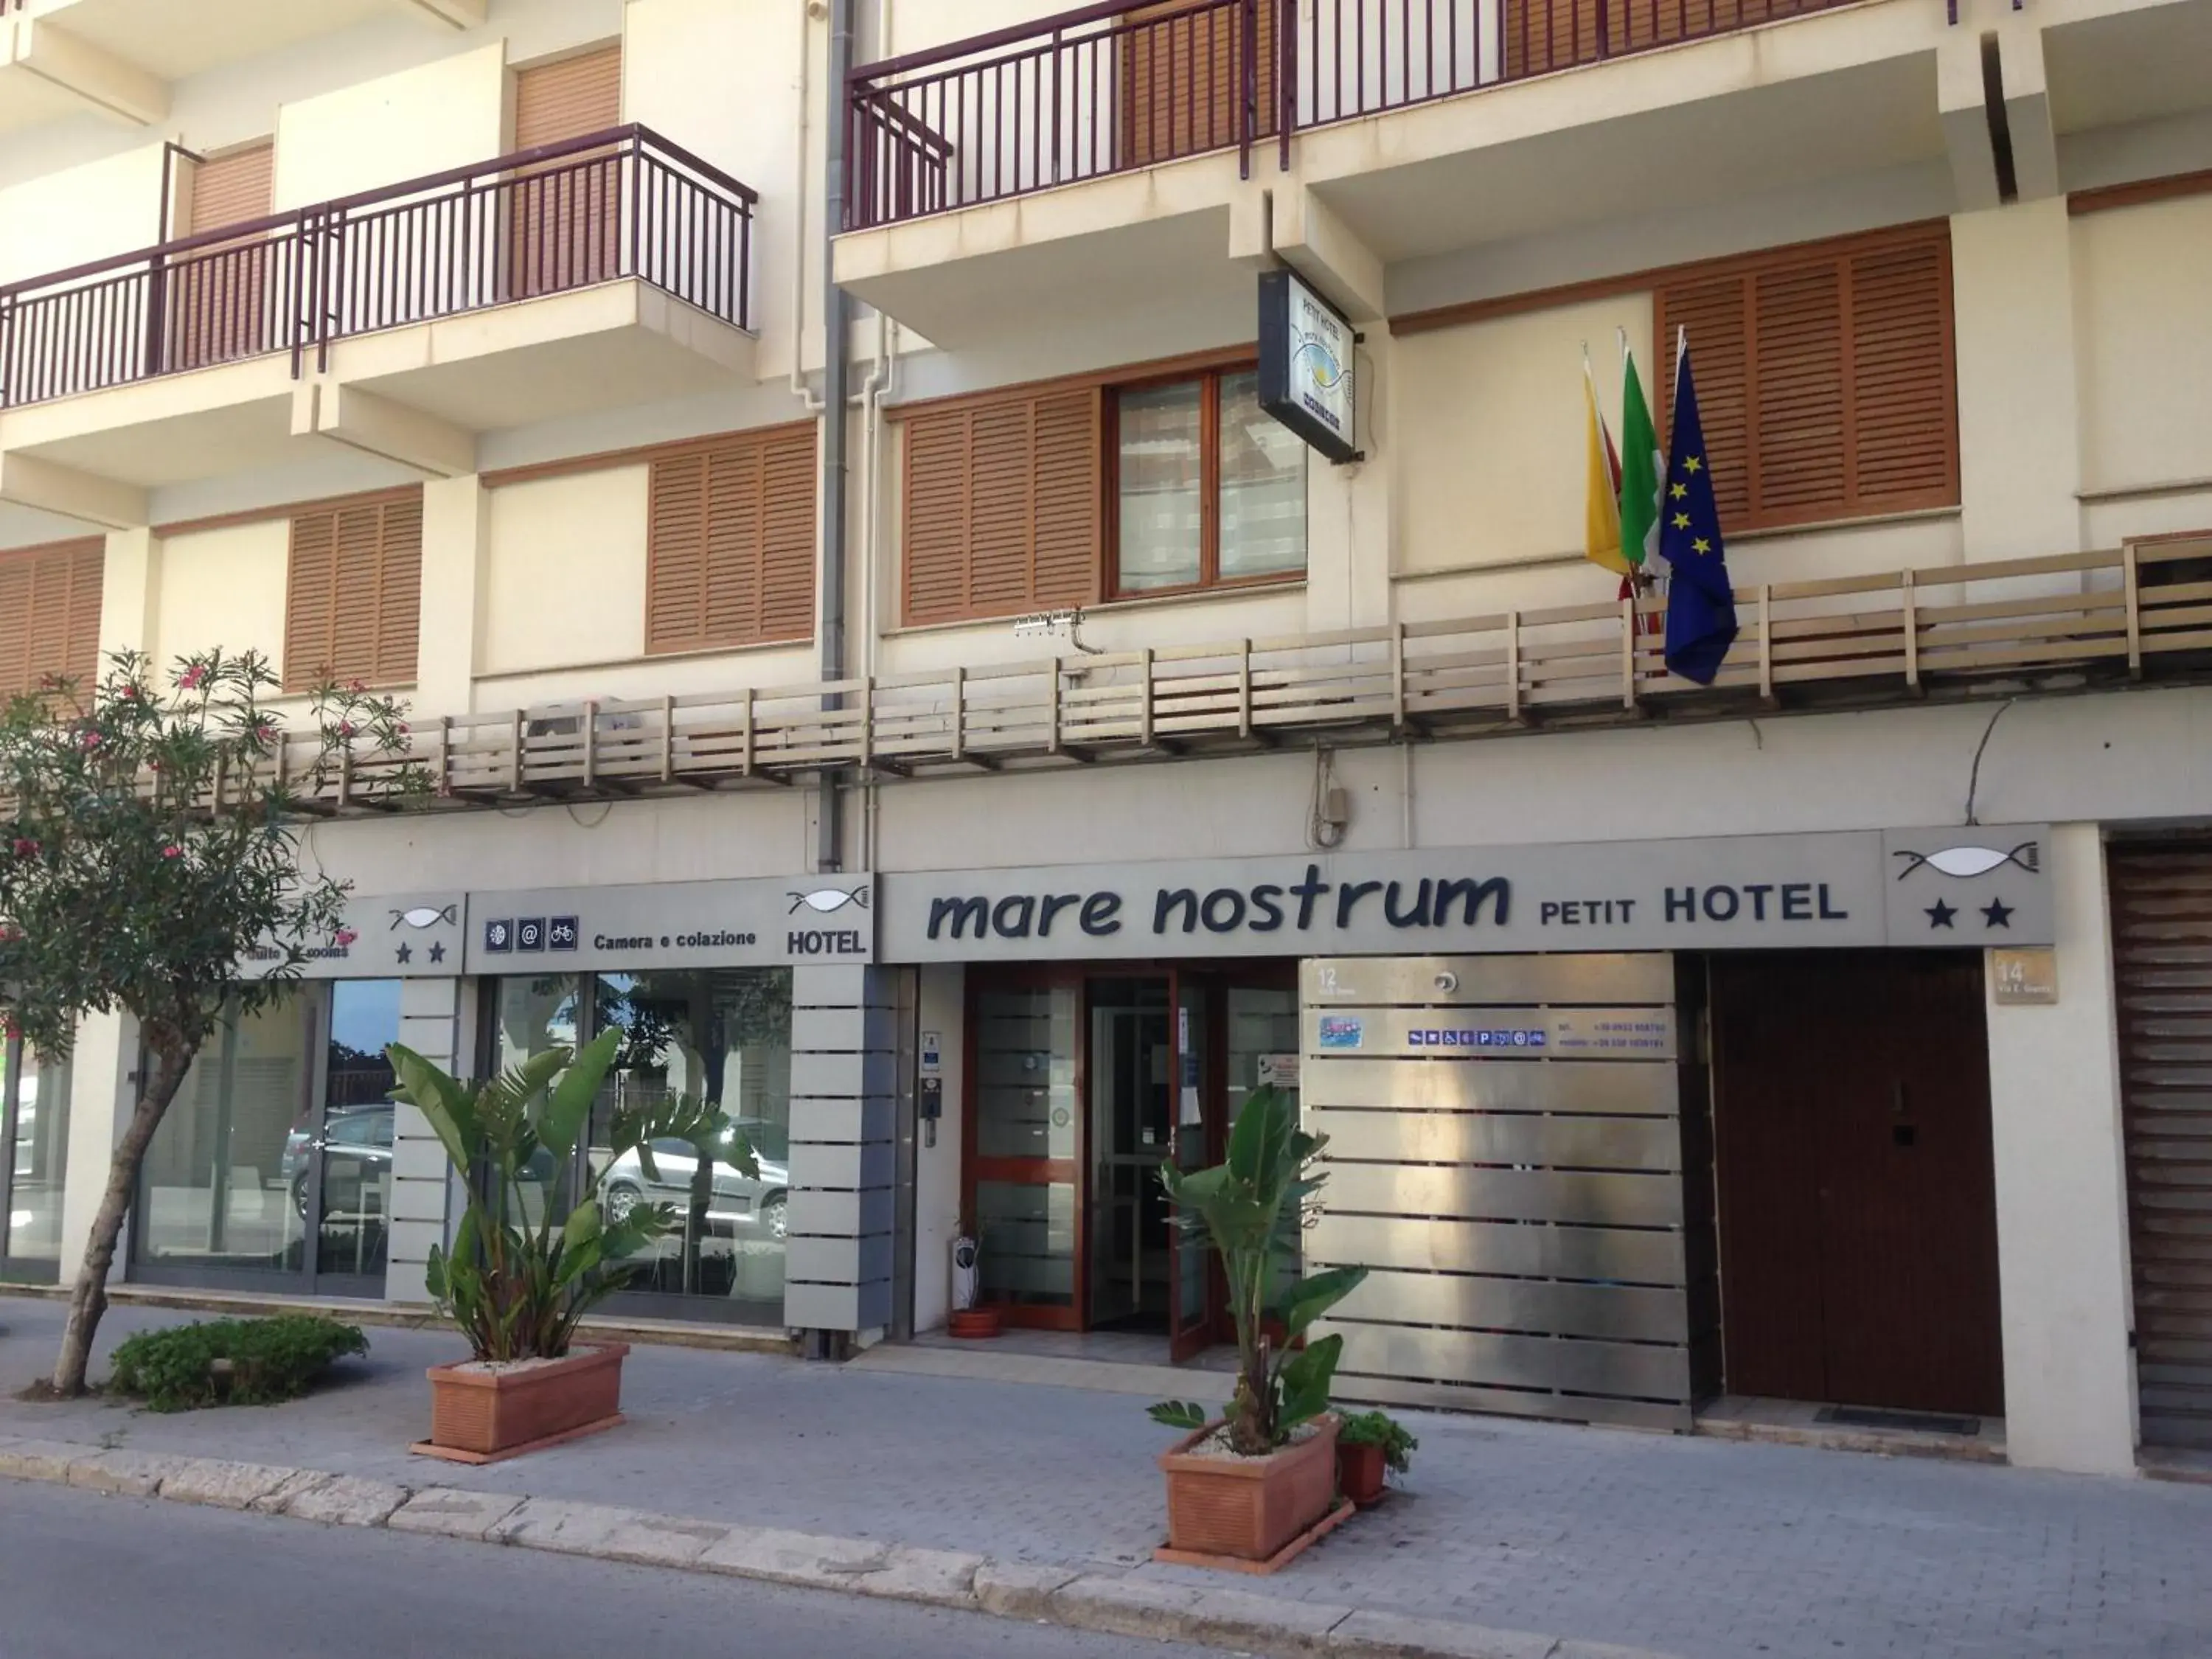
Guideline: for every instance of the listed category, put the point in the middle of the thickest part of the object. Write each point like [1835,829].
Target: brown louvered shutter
[567,215]
[730,545]
[1826,377]
[1003,505]
[218,297]
[1183,77]
[353,601]
[1543,35]
[50,614]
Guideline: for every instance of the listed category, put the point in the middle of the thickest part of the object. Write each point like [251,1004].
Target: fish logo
[825,901]
[1314,359]
[423,915]
[1967,861]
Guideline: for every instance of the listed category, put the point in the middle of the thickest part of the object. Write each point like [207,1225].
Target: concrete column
[430,1023]
[2019,448]
[2062,1194]
[130,584]
[837,1267]
[456,533]
[103,1090]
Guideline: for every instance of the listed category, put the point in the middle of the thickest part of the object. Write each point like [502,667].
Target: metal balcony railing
[1118,85]
[624,202]
[2023,625]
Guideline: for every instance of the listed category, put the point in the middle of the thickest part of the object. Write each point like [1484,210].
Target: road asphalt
[87,1577]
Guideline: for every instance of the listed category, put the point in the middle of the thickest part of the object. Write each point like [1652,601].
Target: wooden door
[216,300]
[2161,904]
[1857,1185]
[566,213]
[1184,82]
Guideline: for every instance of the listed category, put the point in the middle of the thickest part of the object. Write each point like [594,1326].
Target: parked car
[753,1204]
[360,1136]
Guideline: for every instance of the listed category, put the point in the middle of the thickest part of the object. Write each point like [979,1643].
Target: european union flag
[1700,604]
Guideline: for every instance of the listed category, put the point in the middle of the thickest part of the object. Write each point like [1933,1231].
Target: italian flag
[1642,467]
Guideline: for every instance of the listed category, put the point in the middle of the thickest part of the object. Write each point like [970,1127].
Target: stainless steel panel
[1514,1361]
[1379,982]
[1618,1312]
[1501,1086]
[1646,1144]
[1514,1402]
[1612,1032]
[1410,1190]
[1618,1255]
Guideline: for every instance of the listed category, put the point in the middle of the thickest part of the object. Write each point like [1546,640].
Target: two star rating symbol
[405,953]
[1996,914]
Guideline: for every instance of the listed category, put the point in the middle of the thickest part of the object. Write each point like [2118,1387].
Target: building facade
[805,467]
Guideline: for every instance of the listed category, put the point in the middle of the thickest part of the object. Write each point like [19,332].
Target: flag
[1700,604]
[1601,511]
[1641,463]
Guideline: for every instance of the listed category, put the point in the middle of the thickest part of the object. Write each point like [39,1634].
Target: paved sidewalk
[1691,1547]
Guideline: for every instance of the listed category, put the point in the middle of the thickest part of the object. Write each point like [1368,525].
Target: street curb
[1120,1604]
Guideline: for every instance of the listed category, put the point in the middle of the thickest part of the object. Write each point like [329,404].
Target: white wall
[102,1096]
[2062,1194]
[80,214]
[2143,282]
[444,114]
[937,1169]
[565,575]
[223,587]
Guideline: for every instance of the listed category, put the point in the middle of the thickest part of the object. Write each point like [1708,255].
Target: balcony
[2140,615]
[604,271]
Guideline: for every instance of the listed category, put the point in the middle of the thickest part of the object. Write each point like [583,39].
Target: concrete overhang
[2115,64]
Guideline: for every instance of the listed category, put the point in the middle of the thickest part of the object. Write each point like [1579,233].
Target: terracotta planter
[1250,1508]
[485,1414]
[1359,1472]
[975,1324]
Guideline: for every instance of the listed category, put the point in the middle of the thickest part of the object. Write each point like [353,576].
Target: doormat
[1867,1416]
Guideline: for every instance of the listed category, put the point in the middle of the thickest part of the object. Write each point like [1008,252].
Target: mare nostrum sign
[1972,887]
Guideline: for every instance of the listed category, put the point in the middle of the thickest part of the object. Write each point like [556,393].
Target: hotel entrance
[1082,1082]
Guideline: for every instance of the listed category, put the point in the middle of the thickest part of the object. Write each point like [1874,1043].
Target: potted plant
[1252,1484]
[517,1287]
[1368,1444]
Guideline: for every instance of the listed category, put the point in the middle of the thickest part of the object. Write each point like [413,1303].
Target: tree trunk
[89,1301]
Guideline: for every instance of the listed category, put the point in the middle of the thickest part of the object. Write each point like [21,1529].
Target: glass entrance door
[1191,1146]
[1025,1160]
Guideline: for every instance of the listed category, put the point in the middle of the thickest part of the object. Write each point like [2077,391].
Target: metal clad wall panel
[1468,1085]
[1648,1144]
[1508,1249]
[1523,1215]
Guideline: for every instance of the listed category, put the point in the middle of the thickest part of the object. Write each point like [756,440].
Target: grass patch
[237,1362]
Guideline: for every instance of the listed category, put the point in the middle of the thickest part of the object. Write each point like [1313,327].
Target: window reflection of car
[752,1203]
[359,1143]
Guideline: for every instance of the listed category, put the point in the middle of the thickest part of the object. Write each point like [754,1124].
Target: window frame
[1210,579]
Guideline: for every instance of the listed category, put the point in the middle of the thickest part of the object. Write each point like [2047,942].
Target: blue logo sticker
[530,934]
[1342,1032]
[1471,1037]
[499,936]
[561,933]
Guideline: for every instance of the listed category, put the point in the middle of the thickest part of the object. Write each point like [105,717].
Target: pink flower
[25,848]
[401,728]
[129,694]
[346,936]
[194,677]
[264,733]
[345,728]
[173,851]
[89,740]
[358,686]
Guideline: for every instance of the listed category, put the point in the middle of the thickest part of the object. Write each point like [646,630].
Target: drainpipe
[836,390]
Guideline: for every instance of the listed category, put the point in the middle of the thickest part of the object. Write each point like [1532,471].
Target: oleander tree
[151,863]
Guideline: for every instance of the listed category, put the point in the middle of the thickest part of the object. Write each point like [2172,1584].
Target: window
[35,1117]
[50,614]
[355,597]
[1208,490]
[730,543]
[1825,376]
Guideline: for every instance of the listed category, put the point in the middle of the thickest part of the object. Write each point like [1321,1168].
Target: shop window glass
[530,1016]
[724,1036]
[358,1118]
[221,1175]
[34,1106]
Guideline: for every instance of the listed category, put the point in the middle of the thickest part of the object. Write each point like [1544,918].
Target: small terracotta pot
[487,1412]
[975,1323]
[1359,1472]
[1249,1507]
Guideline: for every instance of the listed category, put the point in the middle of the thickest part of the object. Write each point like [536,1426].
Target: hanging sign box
[1308,365]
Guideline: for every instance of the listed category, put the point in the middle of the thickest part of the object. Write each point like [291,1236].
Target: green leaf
[1304,1382]
[568,1109]
[433,1092]
[1310,1298]
[1181,1415]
